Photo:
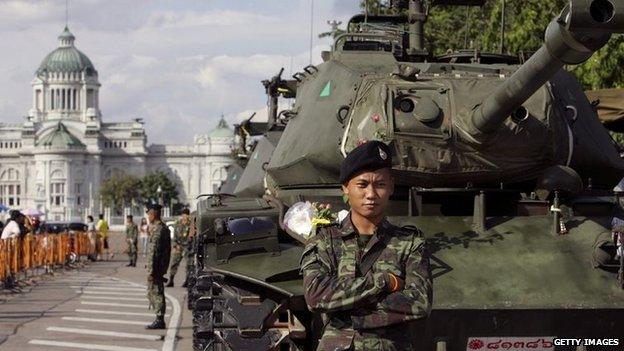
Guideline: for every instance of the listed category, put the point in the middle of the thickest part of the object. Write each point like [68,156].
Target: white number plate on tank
[511,343]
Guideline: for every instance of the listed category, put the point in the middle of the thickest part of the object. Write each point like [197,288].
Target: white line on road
[115,298]
[77,345]
[174,325]
[106,288]
[104,320]
[105,333]
[174,321]
[117,313]
[114,304]
[93,292]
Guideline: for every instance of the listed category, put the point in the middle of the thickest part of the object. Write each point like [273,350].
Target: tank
[505,167]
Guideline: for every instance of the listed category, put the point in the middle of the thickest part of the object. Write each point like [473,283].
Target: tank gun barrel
[582,28]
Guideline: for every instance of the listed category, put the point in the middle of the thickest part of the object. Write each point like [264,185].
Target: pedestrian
[180,246]
[369,278]
[94,252]
[143,236]
[157,262]
[102,228]
[15,227]
[132,235]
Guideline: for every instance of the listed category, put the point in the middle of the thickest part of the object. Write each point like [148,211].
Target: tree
[120,191]
[451,28]
[149,188]
[335,30]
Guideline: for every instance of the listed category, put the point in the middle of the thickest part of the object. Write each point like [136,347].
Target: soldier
[159,252]
[181,247]
[132,235]
[370,279]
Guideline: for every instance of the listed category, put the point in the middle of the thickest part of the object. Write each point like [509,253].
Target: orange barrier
[18,255]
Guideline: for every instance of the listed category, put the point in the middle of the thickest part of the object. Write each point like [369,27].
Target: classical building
[57,158]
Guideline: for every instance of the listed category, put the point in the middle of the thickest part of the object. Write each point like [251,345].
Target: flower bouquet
[303,218]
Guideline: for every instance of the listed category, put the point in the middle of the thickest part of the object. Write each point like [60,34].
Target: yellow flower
[322,221]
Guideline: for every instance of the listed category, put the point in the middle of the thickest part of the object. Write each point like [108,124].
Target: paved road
[101,307]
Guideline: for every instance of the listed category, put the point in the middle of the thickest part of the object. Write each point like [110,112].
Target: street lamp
[160,195]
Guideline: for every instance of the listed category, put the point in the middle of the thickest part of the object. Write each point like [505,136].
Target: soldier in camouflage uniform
[369,279]
[181,247]
[132,237]
[158,255]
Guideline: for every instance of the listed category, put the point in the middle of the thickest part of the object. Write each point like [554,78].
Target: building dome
[66,58]
[60,139]
[222,130]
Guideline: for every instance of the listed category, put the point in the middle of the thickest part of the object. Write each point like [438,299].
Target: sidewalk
[22,315]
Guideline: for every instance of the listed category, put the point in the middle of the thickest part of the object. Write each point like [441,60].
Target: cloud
[187,19]
[178,64]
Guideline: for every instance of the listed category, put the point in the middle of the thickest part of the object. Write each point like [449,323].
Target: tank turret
[572,38]
[465,118]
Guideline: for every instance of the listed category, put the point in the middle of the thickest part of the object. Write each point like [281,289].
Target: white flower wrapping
[298,218]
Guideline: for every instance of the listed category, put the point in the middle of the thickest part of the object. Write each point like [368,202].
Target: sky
[178,64]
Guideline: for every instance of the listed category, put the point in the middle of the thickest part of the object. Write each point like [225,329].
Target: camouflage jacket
[132,232]
[181,233]
[352,301]
[159,250]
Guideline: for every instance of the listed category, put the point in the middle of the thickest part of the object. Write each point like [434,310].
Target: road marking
[114,304]
[91,292]
[77,345]
[115,298]
[106,288]
[174,321]
[105,333]
[103,320]
[117,313]
[174,325]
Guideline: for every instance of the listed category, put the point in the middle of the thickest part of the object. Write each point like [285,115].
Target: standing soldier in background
[158,255]
[132,237]
[181,246]
[370,279]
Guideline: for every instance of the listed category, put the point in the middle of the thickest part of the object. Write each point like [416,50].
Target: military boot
[170,284]
[129,264]
[159,323]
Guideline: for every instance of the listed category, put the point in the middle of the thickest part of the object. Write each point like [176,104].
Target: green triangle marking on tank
[326,90]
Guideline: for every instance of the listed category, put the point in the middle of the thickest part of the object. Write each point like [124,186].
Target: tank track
[226,317]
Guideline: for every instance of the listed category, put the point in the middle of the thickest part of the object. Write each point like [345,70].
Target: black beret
[152,206]
[370,156]
[186,211]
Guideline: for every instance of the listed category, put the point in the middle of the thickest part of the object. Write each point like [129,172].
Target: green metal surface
[517,264]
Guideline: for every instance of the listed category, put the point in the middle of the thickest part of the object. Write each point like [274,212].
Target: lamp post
[160,195]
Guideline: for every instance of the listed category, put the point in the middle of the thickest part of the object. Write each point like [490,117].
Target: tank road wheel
[190,290]
[226,317]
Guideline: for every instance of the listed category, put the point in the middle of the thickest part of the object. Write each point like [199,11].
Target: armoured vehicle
[504,166]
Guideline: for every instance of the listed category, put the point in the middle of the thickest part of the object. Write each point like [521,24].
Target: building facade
[57,158]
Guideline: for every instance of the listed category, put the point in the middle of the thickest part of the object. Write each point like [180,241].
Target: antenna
[502,29]
[311,27]
[66,13]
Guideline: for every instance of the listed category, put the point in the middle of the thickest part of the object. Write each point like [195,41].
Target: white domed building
[57,158]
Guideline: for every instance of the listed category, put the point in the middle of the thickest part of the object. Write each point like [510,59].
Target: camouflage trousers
[132,250]
[360,340]
[176,259]
[156,297]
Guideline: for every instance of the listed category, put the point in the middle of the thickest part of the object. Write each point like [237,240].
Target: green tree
[451,28]
[149,188]
[334,31]
[120,191]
